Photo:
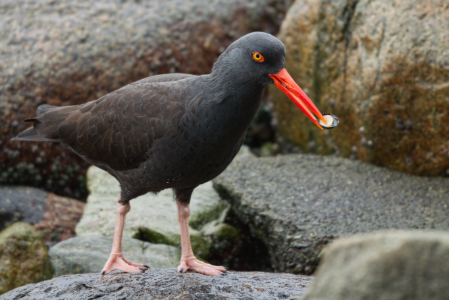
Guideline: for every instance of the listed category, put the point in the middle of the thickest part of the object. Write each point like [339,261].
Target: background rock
[296,204]
[55,217]
[89,254]
[152,218]
[389,265]
[70,52]
[166,284]
[23,257]
[382,67]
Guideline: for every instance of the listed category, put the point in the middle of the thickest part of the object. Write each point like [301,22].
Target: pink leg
[116,260]
[188,260]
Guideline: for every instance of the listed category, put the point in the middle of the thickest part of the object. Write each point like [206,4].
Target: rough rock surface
[55,217]
[152,218]
[165,284]
[390,265]
[70,52]
[89,254]
[296,204]
[382,67]
[23,257]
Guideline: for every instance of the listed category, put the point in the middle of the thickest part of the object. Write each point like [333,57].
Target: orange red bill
[285,83]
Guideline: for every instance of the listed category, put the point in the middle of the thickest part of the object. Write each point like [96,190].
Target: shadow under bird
[172,131]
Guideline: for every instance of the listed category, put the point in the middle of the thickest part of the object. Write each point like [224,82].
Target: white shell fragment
[331,121]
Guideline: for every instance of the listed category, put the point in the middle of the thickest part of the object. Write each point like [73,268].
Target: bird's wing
[119,129]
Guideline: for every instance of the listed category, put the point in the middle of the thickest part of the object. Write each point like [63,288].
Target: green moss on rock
[23,257]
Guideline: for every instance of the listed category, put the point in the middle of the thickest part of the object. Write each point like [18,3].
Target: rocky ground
[53,216]
[297,204]
[165,284]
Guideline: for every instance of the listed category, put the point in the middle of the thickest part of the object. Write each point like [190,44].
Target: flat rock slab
[89,254]
[296,204]
[165,284]
[152,217]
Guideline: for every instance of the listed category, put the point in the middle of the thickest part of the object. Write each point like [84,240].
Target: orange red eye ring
[258,57]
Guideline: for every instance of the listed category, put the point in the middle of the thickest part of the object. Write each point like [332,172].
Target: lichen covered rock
[382,68]
[153,218]
[23,257]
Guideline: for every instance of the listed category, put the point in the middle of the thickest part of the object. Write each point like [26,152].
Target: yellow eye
[258,57]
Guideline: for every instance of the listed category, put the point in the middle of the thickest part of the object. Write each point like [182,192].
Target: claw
[225,268]
[104,272]
[146,266]
[181,270]
[142,269]
[223,274]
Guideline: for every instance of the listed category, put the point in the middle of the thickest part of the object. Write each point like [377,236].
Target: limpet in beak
[331,121]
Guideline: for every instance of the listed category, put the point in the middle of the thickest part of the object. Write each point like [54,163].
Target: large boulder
[392,265]
[153,218]
[67,52]
[382,67]
[23,257]
[296,204]
[89,254]
[165,284]
[55,217]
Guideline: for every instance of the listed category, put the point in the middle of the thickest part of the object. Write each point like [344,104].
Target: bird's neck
[234,102]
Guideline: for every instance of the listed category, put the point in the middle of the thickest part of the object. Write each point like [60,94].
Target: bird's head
[259,57]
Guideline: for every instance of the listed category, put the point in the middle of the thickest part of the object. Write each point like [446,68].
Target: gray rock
[69,52]
[23,257]
[55,217]
[378,65]
[390,265]
[152,218]
[297,200]
[165,284]
[89,254]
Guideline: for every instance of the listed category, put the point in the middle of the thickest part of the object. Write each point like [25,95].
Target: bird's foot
[193,264]
[118,262]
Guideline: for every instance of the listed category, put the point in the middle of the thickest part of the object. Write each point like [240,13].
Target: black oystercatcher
[172,131]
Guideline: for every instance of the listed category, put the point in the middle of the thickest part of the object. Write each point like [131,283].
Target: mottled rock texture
[165,284]
[296,204]
[390,265]
[53,216]
[89,254]
[382,67]
[23,257]
[70,52]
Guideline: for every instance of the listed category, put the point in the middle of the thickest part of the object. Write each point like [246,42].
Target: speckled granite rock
[23,257]
[165,284]
[296,204]
[89,254]
[70,52]
[390,265]
[55,217]
[152,218]
[382,67]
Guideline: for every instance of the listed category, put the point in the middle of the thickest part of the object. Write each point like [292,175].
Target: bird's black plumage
[168,131]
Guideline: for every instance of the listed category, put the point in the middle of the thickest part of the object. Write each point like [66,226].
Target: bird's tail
[45,124]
